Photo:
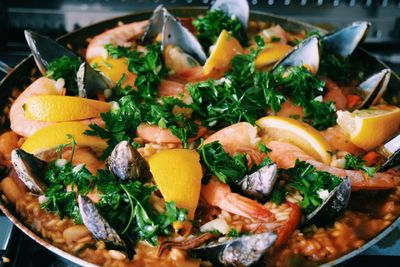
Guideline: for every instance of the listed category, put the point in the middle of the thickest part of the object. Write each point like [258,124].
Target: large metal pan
[21,74]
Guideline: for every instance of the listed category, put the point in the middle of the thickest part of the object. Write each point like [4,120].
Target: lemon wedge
[114,68]
[50,137]
[297,133]
[272,53]
[369,128]
[63,108]
[178,174]
[225,49]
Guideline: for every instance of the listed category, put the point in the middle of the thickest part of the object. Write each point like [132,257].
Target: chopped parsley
[219,163]
[309,182]
[356,163]
[66,68]
[141,105]
[124,204]
[210,26]
[244,94]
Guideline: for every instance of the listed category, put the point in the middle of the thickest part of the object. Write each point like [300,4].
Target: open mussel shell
[391,150]
[90,81]
[260,183]
[344,41]
[373,88]
[175,34]
[29,169]
[333,205]
[45,50]
[240,251]
[304,54]
[156,23]
[125,162]
[97,225]
[238,9]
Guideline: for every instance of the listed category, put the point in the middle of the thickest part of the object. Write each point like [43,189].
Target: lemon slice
[63,108]
[50,137]
[298,133]
[369,128]
[178,174]
[225,49]
[114,68]
[272,53]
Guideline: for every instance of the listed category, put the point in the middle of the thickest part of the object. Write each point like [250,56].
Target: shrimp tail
[220,195]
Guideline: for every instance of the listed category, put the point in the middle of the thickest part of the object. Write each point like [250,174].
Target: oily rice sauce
[222,207]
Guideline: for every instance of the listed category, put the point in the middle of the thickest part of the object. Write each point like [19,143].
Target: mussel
[373,88]
[240,251]
[97,225]
[156,23]
[125,162]
[344,41]
[304,54]
[29,170]
[260,183]
[174,34]
[238,9]
[333,205]
[391,150]
[45,50]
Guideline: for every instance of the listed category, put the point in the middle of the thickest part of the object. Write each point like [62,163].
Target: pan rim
[133,17]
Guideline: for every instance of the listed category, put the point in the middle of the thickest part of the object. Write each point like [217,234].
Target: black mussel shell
[332,207]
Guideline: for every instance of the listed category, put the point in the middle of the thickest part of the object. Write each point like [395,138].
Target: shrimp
[289,109]
[338,140]
[285,155]
[220,195]
[155,134]
[239,137]
[84,155]
[334,94]
[274,32]
[42,86]
[195,74]
[120,36]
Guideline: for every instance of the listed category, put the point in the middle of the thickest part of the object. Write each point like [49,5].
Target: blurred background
[57,17]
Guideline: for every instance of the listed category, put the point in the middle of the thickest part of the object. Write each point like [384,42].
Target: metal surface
[22,72]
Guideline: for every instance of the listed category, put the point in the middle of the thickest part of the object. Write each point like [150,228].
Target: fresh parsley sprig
[66,68]
[309,182]
[210,26]
[353,162]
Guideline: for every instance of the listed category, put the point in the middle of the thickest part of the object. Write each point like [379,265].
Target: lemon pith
[298,133]
[63,108]
[52,136]
[178,174]
[371,127]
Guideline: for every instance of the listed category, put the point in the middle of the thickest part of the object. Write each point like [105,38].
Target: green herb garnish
[66,68]
[356,163]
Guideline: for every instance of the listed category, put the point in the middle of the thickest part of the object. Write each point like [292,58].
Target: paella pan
[190,137]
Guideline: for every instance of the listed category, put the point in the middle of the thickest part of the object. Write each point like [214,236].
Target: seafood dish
[211,140]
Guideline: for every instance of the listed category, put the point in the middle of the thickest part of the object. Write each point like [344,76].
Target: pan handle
[5,68]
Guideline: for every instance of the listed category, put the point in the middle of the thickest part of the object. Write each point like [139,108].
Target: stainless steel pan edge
[78,40]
